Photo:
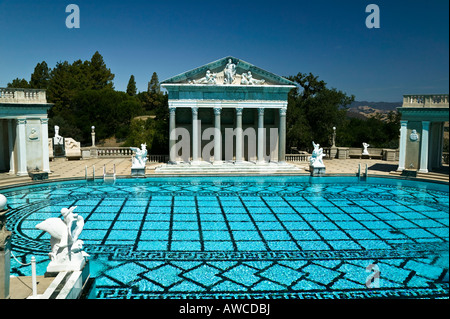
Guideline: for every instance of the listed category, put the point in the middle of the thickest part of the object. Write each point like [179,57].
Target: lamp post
[93,135]
[334,136]
[333,149]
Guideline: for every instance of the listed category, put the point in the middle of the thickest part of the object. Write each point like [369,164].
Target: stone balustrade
[425,100]
[114,152]
[119,152]
[32,96]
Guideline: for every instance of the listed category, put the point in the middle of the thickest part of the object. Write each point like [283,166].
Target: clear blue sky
[409,53]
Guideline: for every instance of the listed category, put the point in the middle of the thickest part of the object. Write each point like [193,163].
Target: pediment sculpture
[247,79]
[209,78]
[229,72]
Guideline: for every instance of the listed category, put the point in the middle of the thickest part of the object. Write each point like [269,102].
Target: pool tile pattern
[215,239]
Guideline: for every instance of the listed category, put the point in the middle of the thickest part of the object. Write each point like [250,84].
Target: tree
[100,76]
[131,87]
[313,111]
[18,84]
[153,85]
[40,77]
[108,110]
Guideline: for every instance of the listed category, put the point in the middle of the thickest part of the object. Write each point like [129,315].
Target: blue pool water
[246,237]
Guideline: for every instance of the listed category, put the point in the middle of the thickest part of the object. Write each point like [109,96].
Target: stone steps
[430,175]
[246,167]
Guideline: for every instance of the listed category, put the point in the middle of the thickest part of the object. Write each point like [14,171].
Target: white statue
[66,249]
[365,151]
[58,140]
[316,156]
[140,158]
[247,79]
[209,78]
[229,72]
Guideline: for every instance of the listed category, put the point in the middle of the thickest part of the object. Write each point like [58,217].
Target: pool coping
[75,178]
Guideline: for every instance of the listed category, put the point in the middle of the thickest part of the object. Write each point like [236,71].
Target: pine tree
[18,84]
[153,85]
[131,87]
[100,76]
[40,76]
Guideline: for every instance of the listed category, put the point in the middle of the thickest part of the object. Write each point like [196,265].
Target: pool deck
[62,170]
[20,287]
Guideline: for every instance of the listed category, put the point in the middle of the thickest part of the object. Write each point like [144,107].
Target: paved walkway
[62,169]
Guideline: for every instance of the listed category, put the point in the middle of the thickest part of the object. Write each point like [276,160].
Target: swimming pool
[246,237]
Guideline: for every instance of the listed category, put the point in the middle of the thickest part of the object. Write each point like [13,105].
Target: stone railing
[114,152]
[119,152]
[297,157]
[32,96]
[425,100]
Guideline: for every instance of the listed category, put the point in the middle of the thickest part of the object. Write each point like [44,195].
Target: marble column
[260,146]
[424,147]
[195,135]
[217,137]
[21,147]
[172,136]
[282,136]
[12,155]
[402,146]
[44,144]
[239,136]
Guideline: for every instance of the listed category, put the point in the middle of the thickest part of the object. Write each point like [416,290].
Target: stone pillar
[44,144]
[239,136]
[402,147]
[260,146]
[217,137]
[333,149]
[93,135]
[12,154]
[195,146]
[5,251]
[172,136]
[424,147]
[21,148]
[282,136]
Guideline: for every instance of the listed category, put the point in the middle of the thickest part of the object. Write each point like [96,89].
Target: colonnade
[218,156]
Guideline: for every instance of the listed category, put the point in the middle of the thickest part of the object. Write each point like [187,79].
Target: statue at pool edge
[316,156]
[365,151]
[316,166]
[66,249]
[140,159]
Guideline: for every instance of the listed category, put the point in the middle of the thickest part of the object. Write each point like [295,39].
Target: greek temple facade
[23,131]
[422,131]
[229,111]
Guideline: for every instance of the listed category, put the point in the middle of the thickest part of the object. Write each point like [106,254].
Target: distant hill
[388,106]
[364,109]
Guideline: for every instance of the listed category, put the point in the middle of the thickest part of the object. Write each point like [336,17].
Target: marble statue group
[66,248]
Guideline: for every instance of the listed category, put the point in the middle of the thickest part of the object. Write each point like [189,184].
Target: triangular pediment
[228,70]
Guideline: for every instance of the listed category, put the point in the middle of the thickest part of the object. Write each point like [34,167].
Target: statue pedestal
[76,263]
[316,170]
[5,265]
[5,256]
[138,172]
